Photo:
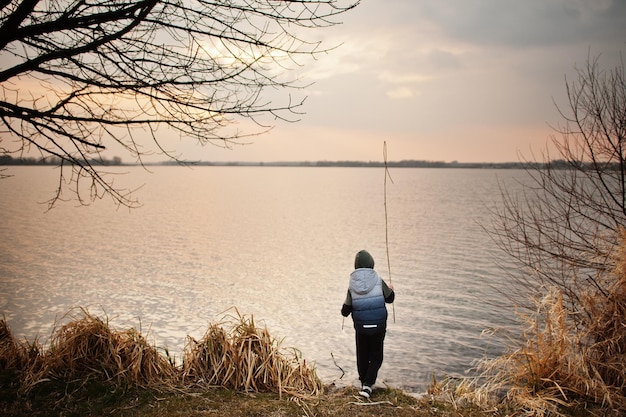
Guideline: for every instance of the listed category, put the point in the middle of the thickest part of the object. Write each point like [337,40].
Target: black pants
[369,356]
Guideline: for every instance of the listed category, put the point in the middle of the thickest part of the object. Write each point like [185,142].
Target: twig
[594,282]
[340,368]
[393,306]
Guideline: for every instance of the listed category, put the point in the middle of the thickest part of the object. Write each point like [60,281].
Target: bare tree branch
[73,73]
[562,230]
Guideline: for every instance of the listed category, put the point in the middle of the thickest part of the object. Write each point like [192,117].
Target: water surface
[277,243]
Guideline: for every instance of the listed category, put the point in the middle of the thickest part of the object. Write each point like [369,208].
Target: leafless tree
[561,229]
[78,76]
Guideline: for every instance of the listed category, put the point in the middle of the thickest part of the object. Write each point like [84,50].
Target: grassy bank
[236,369]
[96,399]
[559,364]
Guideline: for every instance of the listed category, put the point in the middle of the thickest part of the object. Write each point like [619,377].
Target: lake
[277,243]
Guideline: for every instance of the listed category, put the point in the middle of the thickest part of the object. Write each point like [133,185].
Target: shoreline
[96,399]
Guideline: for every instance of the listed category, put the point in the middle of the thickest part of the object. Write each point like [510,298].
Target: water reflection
[277,243]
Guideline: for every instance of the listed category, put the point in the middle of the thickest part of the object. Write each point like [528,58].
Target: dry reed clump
[544,371]
[88,348]
[10,352]
[606,329]
[247,358]
[560,361]
[15,356]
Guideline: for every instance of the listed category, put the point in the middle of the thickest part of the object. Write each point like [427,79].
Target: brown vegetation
[247,359]
[89,348]
[236,369]
[242,357]
[563,361]
[14,356]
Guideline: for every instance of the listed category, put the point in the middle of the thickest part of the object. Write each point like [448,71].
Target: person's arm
[346,309]
[388,293]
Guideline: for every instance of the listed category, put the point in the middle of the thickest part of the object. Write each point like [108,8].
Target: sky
[455,80]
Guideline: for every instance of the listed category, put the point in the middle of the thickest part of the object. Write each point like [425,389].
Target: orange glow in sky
[464,80]
[470,80]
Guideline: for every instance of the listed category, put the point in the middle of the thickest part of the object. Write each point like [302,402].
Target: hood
[362,280]
[363,259]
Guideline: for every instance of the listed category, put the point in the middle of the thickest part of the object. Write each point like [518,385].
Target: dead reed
[539,372]
[89,348]
[247,358]
[606,331]
[560,361]
[243,357]
[15,356]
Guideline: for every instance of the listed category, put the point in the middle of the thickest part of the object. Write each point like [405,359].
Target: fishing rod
[387,175]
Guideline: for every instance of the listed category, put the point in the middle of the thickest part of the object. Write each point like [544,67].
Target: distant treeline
[55,161]
[409,163]
[376,164]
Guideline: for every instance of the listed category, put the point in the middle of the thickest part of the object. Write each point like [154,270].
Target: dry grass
[541,374]
[97,400]
[87,348]
[247,358]
[15,356]
[606,330]
[562,363]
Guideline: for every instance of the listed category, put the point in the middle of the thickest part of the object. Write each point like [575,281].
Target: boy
[366,298]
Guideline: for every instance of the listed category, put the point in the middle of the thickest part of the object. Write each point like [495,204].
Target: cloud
[401,93]
[587,9]
[403,83]
[460,79]
[527,23]
[442,60]
[402,78]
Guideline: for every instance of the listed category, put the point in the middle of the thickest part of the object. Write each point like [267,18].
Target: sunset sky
[466,80]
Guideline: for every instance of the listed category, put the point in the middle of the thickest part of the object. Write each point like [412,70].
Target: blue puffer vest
[369,312]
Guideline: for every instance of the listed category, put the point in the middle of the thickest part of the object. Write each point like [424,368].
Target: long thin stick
[393,306]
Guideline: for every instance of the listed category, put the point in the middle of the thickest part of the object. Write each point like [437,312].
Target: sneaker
[365,391]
